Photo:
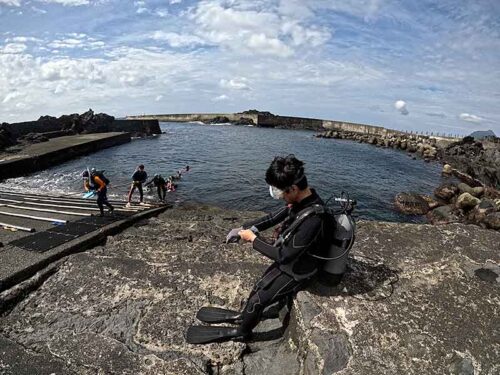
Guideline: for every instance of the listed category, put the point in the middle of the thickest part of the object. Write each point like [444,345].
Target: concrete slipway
[36,230]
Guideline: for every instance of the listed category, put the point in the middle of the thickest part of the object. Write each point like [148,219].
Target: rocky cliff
[417,299]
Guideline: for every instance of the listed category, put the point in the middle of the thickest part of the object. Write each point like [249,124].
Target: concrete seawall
[39,156]
[285,122]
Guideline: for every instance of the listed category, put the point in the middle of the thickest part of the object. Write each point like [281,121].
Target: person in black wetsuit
[293,266]
[160,183]
[138,178]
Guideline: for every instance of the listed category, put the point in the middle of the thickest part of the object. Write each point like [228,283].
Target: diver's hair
[141,166]
[285,172]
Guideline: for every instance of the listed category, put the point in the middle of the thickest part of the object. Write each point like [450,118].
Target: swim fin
[209,314]
[208,334]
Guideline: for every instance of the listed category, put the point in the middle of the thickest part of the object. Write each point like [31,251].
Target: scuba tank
[336,256]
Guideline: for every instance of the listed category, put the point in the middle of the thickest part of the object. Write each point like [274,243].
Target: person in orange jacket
[96,181]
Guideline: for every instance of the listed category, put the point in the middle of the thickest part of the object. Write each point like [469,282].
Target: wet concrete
[411,303]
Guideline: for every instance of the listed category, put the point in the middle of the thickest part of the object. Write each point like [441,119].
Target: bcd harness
[342,239]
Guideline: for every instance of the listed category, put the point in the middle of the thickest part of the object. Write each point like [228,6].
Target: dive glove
[232,236]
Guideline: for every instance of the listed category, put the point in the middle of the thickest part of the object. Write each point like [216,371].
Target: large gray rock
[466,201]
[417,299]
[446,192]
[412,204]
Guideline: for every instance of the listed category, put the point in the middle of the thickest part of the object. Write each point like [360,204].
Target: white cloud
[235,84]
[269,46]
[400,105]
[305,36]
[175,1]
[67,2]
[14,3]
[59,89]
[22,39]
[13,48]
[470,118]
[162,12]
[65,43]
[10,96]
[177,40]
[142,10]
[221,98]
[134,79]
[158,98]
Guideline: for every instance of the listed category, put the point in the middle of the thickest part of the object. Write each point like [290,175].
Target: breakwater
[267,119]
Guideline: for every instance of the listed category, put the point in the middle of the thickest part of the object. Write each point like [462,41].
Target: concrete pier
[37,230]
[39,156]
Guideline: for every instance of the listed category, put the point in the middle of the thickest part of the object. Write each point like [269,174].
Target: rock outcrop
[417,299]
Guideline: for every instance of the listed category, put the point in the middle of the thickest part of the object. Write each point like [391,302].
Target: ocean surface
[228,165]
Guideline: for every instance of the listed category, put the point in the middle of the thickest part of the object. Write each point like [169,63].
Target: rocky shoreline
[479,159]
[416,299]
[476,200]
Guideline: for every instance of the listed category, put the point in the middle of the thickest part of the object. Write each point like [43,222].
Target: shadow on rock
[363,279]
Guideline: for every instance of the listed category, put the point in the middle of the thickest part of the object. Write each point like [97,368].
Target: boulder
[442,215]
[478,214]
[447,169]
[446,192]
[411,204]
[244,121]
[492,221]
[466,201]
[477,191]
[464,188]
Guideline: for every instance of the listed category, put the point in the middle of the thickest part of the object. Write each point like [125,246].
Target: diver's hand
[247,235]
[233,236]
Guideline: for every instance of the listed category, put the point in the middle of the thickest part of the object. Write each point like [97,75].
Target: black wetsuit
[159,182]
[138,178]
[293,265]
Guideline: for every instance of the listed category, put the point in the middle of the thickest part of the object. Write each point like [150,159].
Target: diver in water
[294,262]
[138,178]
[95,180]
[160,184]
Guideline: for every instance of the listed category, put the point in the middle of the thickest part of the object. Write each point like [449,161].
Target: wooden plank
[47,210]
[17,227]
[52,220]
[64,206]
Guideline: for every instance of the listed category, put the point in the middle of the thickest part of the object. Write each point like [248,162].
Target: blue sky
[411,65]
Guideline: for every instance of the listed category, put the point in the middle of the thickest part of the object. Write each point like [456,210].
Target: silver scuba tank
[338,252]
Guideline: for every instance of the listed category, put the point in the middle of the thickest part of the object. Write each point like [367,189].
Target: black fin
[209,314]
[208,334]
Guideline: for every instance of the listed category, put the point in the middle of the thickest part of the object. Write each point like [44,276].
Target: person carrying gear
[138,178]
[96,181]
[294,261]
[160,183]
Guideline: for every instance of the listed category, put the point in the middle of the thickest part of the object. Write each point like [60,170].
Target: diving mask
[275,192]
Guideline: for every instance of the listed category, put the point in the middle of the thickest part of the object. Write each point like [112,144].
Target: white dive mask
[275,192]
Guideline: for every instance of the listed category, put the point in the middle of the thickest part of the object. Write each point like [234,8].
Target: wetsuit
[96,183]
[293,265]
[160,183]
[138,178]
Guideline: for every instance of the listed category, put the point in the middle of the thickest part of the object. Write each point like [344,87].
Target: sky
[431,66]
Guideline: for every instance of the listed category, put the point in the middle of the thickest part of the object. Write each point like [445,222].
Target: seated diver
[294,261]
[160,183]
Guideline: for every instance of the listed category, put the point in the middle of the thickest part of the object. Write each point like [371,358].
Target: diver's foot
[128,205]
[142,203]
[111,210]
